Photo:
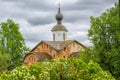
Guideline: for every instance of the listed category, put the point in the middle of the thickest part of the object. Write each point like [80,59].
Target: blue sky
[37,17]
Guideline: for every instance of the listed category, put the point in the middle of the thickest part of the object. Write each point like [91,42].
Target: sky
[36,18]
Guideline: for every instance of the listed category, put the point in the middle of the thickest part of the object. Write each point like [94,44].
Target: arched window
[63,36]
[54,37]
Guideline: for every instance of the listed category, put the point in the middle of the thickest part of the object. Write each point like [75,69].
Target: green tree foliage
[105,36]
[4,58]
[12,42]
[59,69]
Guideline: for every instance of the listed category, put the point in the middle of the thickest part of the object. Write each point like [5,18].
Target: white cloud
[87,42]
[37,17]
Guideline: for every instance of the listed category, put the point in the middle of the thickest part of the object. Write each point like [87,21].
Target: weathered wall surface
[30,59]
[44,48]
[73,47]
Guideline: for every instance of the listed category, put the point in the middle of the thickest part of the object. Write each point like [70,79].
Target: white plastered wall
[59,35]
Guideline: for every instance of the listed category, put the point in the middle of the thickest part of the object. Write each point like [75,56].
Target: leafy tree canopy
[4,58]
[12,42]
[105,36]
[59,69]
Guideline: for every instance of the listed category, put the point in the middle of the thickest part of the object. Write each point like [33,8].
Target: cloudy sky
[37,17]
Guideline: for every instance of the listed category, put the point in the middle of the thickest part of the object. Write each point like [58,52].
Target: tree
[59,69]
[12,42]
[105,36]
[4,58]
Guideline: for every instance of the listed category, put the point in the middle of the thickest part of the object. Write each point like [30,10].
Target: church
[59,47]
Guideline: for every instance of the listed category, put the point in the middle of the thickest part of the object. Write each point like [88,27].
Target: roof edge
[58,49]
[36,46]
[75,41]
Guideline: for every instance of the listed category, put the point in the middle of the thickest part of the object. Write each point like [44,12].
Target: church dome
[59,16]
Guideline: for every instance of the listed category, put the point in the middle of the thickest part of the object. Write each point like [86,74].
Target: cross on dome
[59,16]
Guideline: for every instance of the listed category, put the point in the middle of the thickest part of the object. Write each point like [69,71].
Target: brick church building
[57,48]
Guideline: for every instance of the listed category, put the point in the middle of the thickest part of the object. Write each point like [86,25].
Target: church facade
[58,48]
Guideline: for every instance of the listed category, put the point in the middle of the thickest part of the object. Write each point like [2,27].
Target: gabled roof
[58,45]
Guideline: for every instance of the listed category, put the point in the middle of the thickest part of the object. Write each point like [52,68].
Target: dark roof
[75,55]
[40,56]
[43,56]
[59,27]
[58,45]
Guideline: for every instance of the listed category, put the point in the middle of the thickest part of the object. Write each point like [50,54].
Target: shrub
[59,69]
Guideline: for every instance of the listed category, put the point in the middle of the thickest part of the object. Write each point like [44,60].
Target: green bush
[59,69]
